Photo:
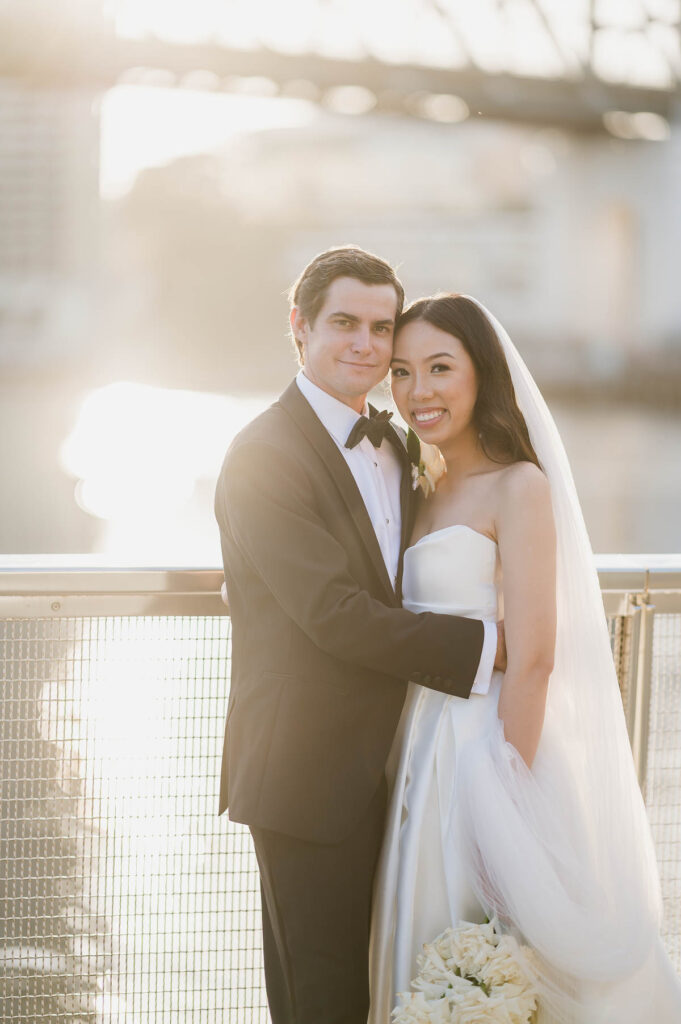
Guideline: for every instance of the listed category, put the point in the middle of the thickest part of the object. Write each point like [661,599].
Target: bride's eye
[439,367]
[398,371]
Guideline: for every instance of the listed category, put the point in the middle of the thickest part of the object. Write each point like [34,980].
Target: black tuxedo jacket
[321,649]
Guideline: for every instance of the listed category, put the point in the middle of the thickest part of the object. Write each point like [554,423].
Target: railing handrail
[84,585]
[97,574]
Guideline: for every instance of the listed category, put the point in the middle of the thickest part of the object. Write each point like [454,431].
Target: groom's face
[347,350]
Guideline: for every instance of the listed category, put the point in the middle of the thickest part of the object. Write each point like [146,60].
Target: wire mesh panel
[663,781]
[123,898]
[619,627]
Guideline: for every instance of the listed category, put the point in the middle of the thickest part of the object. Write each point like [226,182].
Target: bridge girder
[578,103]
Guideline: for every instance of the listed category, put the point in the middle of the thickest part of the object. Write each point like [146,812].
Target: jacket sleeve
[266,500]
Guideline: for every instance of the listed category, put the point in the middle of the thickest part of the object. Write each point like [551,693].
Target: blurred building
[571,238]
[49,201]
[562,216]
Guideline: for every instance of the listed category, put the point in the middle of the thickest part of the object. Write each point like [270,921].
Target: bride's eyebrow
[428,359]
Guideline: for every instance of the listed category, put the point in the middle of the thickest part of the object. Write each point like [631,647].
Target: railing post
[639,679]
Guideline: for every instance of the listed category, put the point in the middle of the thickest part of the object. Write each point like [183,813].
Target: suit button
[426,679]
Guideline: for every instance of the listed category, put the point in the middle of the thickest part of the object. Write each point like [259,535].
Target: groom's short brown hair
[309,291]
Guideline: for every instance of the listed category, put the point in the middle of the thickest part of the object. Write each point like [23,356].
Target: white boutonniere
[427,464]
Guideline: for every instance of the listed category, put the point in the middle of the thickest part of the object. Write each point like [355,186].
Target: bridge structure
[591,69]
[587,65]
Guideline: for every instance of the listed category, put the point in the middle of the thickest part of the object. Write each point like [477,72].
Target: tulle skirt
[458,846]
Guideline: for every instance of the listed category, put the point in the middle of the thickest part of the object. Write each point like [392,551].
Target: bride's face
[434,382]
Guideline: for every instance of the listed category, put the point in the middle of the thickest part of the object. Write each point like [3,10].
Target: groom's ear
[298,331]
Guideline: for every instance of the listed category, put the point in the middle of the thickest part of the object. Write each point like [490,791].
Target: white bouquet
[469,975]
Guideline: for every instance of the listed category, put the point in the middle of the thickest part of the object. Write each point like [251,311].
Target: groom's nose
[361,339]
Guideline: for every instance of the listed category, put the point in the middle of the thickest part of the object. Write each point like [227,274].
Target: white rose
[504,967]
[416,1009]
[467,947]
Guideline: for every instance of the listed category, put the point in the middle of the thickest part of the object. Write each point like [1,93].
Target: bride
[521,804]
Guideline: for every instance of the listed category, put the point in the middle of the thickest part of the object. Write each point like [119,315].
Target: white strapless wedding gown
[422,883]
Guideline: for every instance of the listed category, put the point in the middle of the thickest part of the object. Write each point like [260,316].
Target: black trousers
[316,914]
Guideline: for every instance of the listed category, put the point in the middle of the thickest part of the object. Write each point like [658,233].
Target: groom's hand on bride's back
[500,659]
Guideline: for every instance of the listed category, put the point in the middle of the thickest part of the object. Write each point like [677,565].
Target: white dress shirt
[378,474]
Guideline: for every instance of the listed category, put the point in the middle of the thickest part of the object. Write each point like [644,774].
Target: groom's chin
[366,382]
[360,386]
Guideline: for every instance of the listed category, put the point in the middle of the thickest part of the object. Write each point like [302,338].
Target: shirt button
[387,522]
[376,465]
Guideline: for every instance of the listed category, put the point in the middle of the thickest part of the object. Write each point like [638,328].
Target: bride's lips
[425,418]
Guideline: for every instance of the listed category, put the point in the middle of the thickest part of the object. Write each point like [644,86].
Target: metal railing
[123,898]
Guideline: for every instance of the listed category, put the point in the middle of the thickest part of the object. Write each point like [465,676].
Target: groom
[315,507]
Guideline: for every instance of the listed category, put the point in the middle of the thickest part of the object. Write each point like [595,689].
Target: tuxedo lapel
[338,470]
[407,503]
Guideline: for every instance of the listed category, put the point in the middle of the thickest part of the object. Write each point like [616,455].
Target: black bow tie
[375,428]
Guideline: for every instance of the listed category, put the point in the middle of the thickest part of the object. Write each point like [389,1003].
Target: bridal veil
[562,855]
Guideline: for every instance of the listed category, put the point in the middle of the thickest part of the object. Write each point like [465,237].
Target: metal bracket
[638,679]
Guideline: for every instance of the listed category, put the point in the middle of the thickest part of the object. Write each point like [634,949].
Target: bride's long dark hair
[503,432]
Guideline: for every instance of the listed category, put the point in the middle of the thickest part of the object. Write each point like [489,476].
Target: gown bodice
[454,571]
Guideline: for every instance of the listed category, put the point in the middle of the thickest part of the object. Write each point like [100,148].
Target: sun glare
[145,460]
[144,126]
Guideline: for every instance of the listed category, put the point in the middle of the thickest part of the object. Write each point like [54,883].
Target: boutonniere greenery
[427,463]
